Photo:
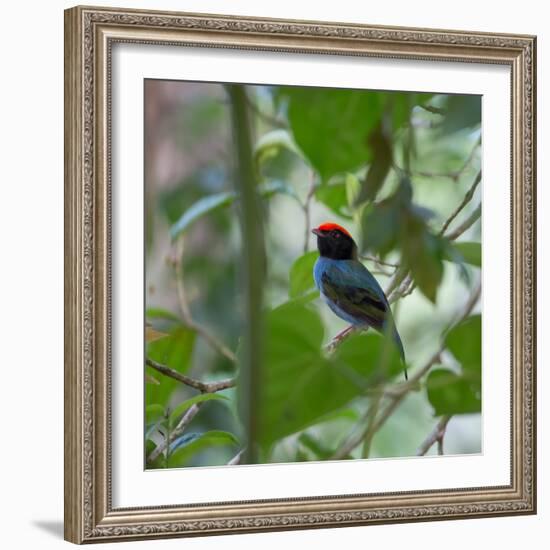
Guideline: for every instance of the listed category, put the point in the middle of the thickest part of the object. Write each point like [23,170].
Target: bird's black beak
[317,232]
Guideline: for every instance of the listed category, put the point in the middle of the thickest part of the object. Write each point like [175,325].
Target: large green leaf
[191,444]
[299,385]
[301,274]
[369,355]
[450,393]
[331,126]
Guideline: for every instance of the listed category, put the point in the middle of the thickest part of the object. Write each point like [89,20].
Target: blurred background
[393,168]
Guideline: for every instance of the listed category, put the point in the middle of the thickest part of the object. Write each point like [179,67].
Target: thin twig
[186,312]
[204,387]
[176,432]
[466,224]
[454,175]
[467,198]
[434,110]
[437,435]
[237,458]
[378,261]
[355,439]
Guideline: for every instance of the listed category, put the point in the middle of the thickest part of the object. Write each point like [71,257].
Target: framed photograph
[300,274]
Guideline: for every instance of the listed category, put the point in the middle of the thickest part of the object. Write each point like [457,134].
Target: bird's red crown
[329,226]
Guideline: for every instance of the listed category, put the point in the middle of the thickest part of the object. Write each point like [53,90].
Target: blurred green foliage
[390,166]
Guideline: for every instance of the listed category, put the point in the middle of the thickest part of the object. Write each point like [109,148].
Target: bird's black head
[335,242]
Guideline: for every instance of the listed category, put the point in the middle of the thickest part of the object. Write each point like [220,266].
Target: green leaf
[174,351]
[331,126]
[464,341]
[211,203]
[384,224]
[450,393]
[153,412]
[423,253]
[463,111]
[272,187]
[193,445]
[201,208]
[301,274]
[271,143]
[353,188]
[334,197]
[380,166]
[469,252]
[401,103]
[185,405]
[300,386]
[159,313]
[370,355]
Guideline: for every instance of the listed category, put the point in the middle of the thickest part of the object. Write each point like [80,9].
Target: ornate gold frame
[89,34]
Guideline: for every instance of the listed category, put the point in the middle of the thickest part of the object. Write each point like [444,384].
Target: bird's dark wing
[354,290]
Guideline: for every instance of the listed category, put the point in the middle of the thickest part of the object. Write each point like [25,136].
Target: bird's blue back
[354,277]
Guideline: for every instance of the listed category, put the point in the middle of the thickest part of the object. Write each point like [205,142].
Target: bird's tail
[399,344]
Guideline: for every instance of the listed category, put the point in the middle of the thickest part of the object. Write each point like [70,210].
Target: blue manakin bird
[348,287]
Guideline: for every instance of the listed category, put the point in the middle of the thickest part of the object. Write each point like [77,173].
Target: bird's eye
[336,234]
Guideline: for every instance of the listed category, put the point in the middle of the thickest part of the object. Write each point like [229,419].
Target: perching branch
[436,435]
[186,312]
[204,387]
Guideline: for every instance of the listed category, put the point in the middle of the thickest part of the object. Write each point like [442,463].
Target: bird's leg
[342,335]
